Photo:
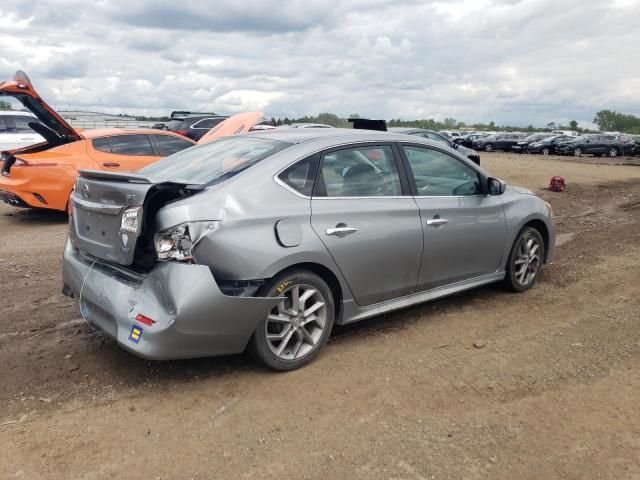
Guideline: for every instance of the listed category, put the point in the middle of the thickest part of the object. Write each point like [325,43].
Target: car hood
[466,151]
[57,131]
[239,123]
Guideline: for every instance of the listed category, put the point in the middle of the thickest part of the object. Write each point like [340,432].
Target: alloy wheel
[613,152]
[577,152]
[488,147]
[295,326]
[527,261]
[545,151]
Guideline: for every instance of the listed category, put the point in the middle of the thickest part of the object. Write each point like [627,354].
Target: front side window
[136,145]
[366,171]
[168,145]
[207,123]
[439,174]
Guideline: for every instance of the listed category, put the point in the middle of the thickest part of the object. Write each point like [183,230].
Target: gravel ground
[484,384]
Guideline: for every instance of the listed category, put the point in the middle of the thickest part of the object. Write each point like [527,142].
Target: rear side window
[207,123]
[22,123]
[101,144]
[301,175]
[136,145]
[168,145]
[3,125]
[174,125]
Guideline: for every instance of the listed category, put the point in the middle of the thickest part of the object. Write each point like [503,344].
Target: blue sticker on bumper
[136,334]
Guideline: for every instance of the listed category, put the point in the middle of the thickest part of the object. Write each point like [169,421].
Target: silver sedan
[264,241]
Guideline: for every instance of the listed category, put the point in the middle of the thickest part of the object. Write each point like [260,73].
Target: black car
[194,126]
[430,134]
[604,144]
[547,146]
[522,145]
[467,140]
[500,141]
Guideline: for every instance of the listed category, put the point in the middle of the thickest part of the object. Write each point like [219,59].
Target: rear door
[464,230]
[364,214]
[126,152]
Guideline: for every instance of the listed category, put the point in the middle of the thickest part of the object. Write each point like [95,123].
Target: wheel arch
[328,276]
[541,227]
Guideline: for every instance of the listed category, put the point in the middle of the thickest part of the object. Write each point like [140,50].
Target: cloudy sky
[514,62]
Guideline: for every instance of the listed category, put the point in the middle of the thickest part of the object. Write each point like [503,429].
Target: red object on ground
[556,184]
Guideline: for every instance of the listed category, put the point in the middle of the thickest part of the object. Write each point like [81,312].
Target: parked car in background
[521,145]
[159,126]
[308,125]
[194,126]
[500,141]
[43,175]
[450,134]
[596,144]
[15,131]
[467,140]
[636,139]
[628,144]
[264,241]
[547,145]
[436,137]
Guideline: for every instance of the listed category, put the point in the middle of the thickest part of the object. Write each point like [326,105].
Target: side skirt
[354,312]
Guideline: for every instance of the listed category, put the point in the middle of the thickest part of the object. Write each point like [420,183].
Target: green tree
[573,125]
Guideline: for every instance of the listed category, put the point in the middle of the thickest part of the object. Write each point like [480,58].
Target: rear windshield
[214,161]
[174,125]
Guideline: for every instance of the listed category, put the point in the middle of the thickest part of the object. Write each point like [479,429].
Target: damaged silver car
[264,241]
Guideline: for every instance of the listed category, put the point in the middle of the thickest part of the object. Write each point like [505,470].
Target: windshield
[214,161]
[175,124]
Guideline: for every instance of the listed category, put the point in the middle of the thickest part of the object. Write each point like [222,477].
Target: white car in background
[15,131]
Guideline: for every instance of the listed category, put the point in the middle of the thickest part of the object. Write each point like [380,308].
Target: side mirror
[495,186]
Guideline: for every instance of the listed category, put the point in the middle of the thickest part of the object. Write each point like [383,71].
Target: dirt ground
[485,384]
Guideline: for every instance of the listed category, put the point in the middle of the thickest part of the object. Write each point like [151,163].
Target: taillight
[131,221]
[182,132]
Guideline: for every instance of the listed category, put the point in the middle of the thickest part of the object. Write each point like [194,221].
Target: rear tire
[525,260]
[546,151]
[577,152]
[295,331]
[613,152]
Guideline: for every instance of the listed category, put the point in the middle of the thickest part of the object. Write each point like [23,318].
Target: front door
[368,222]
[464,230]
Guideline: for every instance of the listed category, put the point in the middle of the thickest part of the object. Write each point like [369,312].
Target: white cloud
[518,62]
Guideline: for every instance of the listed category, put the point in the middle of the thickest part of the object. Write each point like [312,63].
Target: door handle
[111,164]
[341,231]
[437,222]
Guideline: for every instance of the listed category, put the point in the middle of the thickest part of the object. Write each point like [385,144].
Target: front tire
[295,331]
[546,151]
[525,260]
[613,152]
[577,152]
[488,147]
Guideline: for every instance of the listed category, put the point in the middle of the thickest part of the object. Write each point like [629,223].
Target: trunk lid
[100,200]
[57,131]
[239,123]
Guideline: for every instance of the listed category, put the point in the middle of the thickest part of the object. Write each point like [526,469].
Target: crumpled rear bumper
[193,317]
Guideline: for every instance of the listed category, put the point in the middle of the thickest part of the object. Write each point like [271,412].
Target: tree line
[606,120]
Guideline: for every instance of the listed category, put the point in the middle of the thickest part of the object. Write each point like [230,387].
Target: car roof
[17,112]
[411,129]
[301,135]
[106,132]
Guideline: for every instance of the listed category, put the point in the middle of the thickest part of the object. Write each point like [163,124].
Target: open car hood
[239,123]
[56,131]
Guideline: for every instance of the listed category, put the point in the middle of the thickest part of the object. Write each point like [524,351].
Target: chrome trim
[97,207]
[339,231]
[437,222]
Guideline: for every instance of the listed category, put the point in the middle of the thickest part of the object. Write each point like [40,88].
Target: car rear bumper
[13,199]
[193,317]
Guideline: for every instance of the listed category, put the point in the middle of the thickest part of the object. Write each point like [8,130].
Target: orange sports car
[43,175]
